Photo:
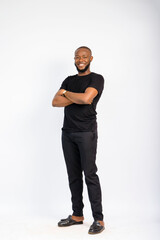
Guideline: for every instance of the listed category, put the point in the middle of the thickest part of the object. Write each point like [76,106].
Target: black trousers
[79,150]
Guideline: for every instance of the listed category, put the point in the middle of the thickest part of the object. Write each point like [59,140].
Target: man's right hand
[59,100]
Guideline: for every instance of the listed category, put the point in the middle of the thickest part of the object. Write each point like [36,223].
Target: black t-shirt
[82,117]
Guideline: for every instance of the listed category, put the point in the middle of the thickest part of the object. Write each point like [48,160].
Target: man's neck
[85,73]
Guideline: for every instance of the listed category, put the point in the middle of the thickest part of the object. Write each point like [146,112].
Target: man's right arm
[60,101]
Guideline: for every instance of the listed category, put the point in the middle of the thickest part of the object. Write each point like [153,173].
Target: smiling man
[79,95]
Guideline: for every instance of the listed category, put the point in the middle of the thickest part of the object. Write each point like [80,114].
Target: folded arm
[70,97]
[82,98]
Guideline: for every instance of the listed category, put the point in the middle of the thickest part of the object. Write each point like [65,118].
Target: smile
[81,64]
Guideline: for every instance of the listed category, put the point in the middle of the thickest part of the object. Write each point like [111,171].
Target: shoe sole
[70,224]
[96,232]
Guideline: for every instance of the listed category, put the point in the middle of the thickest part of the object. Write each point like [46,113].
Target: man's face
[82,59]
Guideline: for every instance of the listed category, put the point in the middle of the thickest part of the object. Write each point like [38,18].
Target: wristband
[64,93]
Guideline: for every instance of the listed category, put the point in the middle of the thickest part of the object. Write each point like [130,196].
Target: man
[79,95]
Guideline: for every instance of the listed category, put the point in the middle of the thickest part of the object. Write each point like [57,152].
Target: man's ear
[91,58]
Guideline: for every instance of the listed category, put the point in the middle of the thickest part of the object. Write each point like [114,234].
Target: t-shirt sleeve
[64,84]
[97,82]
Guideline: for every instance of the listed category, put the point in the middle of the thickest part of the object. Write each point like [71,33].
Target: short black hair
[85,48]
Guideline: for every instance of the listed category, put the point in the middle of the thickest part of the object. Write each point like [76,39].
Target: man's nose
[81,59]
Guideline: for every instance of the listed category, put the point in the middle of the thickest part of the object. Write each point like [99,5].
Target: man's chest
[78,85]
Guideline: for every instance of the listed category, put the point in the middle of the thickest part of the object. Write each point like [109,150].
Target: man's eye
[77,58]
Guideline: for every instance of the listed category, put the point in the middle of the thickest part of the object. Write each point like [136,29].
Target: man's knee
[91,177]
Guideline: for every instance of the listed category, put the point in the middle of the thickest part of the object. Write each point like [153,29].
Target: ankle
[101,222]
[77,218]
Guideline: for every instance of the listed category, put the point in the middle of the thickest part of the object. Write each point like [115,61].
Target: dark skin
[82,59]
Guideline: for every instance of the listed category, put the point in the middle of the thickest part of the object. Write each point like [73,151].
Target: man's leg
[87,143]
[74,170]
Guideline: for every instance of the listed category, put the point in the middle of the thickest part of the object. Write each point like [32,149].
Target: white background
[37,44]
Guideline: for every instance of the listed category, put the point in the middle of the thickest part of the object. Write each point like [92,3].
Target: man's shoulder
[97,75]
[69,78]
[72,76]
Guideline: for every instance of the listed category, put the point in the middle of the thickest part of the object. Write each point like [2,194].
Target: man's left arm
[82,98]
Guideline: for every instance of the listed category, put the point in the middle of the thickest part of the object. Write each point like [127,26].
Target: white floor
[46,229]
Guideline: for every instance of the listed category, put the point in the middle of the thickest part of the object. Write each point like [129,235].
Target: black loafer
[68,222]
[95,228]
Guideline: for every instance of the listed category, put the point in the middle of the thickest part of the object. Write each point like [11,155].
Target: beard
[82,70]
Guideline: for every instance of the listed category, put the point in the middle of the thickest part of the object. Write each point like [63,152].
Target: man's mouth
[81,65]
